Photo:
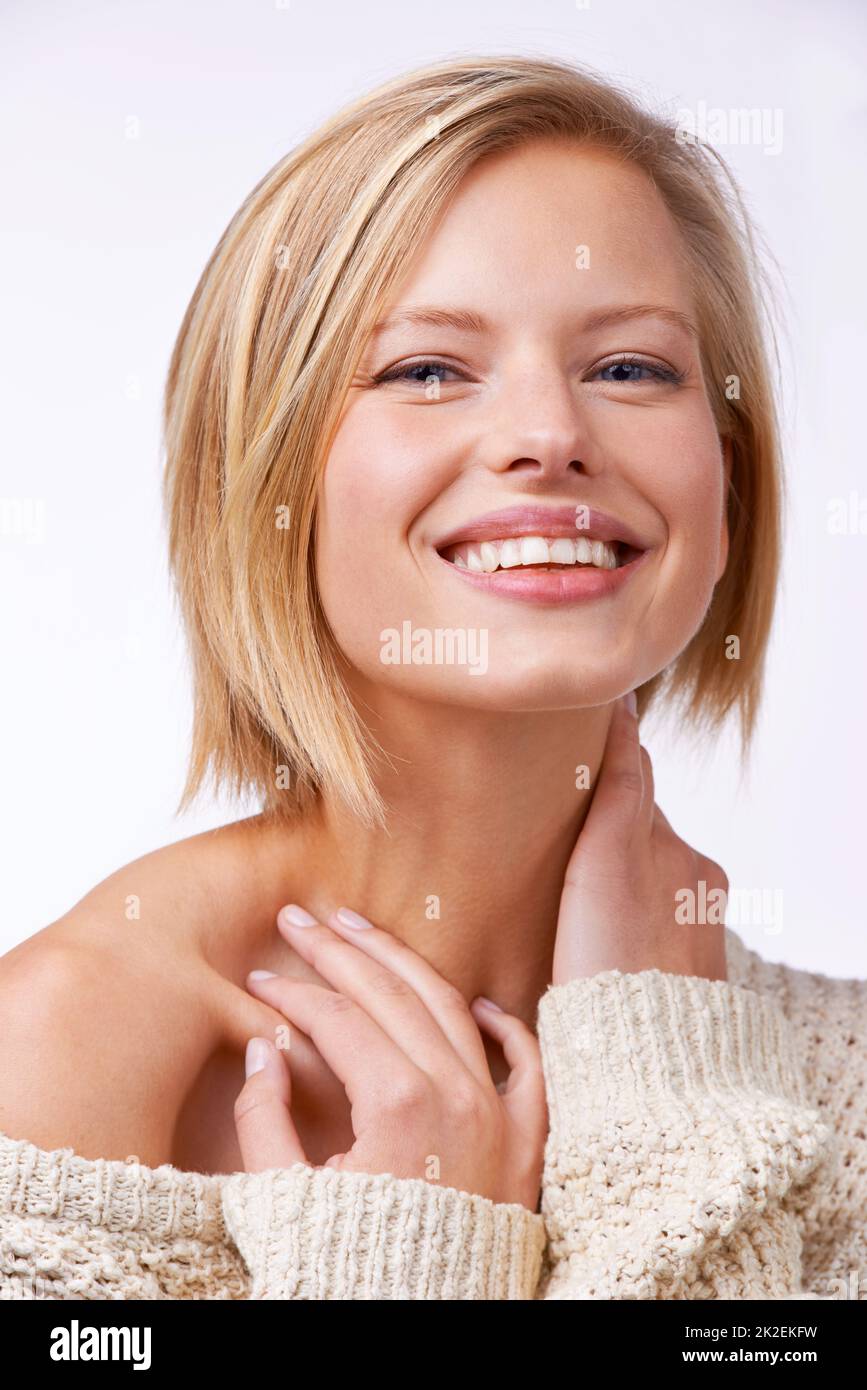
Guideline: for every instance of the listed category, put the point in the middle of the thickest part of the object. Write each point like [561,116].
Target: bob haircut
[267,350]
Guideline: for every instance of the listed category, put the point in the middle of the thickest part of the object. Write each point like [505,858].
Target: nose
[541,428]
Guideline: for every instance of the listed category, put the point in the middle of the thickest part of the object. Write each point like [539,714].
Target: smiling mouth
[541,553]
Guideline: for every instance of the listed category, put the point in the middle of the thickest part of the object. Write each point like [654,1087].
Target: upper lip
[543,521]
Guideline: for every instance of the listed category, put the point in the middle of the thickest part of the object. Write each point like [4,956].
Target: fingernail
[351,919]
[262,975]
[296,916]
[631,702]
[256,1056]
[482,999]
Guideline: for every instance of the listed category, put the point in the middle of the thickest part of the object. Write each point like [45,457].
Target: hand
[407,1047]
[617,909]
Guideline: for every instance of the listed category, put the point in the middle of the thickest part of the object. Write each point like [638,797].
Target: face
[533,468]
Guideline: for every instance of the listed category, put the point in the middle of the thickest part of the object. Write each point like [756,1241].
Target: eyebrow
[467,321]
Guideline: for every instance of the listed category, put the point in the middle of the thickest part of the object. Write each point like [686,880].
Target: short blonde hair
[267,350]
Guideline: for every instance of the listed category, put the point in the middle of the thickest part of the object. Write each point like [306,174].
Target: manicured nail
[631,702]
[262,975]
[256,1056]
[351,919]
[296,916]
[482,999]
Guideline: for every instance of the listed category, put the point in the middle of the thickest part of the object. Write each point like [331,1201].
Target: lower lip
[552,586]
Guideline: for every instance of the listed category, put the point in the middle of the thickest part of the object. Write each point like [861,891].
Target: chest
[205,1140]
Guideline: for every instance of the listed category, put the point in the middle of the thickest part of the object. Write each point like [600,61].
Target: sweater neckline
[163,1202]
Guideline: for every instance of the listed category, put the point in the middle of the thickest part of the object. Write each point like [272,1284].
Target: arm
[319,1233]
[61,1258]
[76,1080]
[102,1229]
[680,1145]
[77,1228]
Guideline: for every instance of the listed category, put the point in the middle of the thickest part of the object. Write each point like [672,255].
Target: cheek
[687,489]
[373,488]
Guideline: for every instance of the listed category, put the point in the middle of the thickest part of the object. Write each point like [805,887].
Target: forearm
[679,1142]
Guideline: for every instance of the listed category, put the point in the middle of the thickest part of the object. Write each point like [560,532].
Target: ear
[724,528]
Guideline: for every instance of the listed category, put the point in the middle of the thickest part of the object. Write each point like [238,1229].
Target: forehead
[553,222]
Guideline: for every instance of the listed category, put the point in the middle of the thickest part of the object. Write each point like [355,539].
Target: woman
[470,434]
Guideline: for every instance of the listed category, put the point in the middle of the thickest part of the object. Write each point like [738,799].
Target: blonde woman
[452,471]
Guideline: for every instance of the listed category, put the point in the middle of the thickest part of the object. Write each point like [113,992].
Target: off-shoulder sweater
[706,1141]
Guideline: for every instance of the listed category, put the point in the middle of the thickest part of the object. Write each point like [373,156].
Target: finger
[660,815]
[713,873]
[619,793]
[442,999]
[266,1134]
[648,807]
[424,1014]
[525,1087]
[361,1054]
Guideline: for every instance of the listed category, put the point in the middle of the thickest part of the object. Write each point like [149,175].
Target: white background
[103,239]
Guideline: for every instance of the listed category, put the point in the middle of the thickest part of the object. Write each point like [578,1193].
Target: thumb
[266,1134]
[620,786]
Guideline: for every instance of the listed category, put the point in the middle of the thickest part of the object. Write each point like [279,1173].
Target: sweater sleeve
[320,1233]
[680,1146]
[73,1227]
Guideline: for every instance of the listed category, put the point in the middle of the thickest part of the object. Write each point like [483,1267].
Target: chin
[514,688]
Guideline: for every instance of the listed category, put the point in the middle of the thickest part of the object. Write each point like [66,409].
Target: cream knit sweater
[706,1141]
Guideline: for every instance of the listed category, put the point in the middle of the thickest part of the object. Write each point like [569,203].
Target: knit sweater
[706,1141]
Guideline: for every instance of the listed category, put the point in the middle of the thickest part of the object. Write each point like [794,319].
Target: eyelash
[664,374]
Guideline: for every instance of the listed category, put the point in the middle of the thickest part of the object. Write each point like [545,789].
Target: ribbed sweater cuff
[641,1042]
[319,1233]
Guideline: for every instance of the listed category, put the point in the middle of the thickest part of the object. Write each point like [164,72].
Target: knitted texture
[318,1233]
[683,1087]
[706,1141]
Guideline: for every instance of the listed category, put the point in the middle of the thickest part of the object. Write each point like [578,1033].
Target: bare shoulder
[108,1013]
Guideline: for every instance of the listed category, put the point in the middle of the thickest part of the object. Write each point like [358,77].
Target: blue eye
[629,369]
[406,371]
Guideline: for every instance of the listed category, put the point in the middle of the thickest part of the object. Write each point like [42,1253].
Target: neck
[483,814]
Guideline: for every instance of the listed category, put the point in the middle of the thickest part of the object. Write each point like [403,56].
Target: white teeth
[562,551]
[534,550]
[510,554]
